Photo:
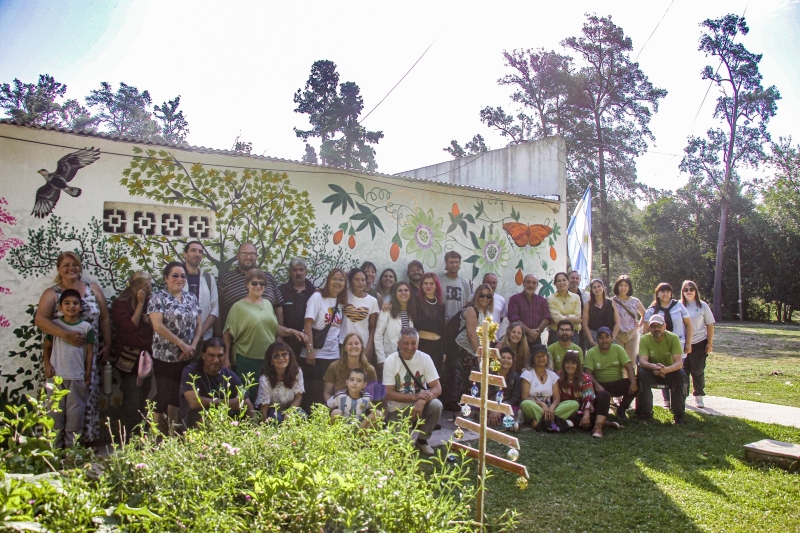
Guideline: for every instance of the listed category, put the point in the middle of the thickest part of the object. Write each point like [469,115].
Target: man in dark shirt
[207,383]
[414,274]
[295,294]
[232,287]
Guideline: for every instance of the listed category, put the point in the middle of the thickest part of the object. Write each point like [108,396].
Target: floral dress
[179,317]
[90,312]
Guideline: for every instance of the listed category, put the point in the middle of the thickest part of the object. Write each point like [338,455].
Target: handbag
[145,367]
[624,336]
[320,335]
[128,356]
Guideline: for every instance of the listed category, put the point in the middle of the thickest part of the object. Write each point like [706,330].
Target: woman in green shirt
[251,328]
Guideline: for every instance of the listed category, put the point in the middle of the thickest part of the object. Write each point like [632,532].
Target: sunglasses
[485,296]
[281,355]
[178,276]
[258,283]
[688,289]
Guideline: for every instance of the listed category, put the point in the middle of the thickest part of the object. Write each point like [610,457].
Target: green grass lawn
[651,477]
[755,361]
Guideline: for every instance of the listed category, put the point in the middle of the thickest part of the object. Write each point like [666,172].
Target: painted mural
[128,207]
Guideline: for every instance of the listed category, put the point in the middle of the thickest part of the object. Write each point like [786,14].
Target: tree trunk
[723,224]
[605,237]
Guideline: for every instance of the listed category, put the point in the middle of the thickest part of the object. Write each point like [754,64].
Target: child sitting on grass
[73,364]
[354,401]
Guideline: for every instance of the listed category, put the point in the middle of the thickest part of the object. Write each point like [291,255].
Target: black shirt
[207,386]
[193,284]
[294,310]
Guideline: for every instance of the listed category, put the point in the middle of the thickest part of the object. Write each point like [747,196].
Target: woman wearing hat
[540,392]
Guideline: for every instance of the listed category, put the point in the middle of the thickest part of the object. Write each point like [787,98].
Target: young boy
[73,364]
[353,401]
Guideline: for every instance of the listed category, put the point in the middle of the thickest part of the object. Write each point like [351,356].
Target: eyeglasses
[485,296]
[281,355]
[178,276]
[688,289]
[565,331]
[248,254]
[258,283]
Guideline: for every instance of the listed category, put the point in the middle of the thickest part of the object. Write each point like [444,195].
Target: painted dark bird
[67,167]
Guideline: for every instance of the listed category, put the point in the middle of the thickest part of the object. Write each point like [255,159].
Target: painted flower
[493,253]
[424,236]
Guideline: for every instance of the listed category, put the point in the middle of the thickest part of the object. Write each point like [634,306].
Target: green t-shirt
[606,367]
[557,353]
[253,328]
[660,352]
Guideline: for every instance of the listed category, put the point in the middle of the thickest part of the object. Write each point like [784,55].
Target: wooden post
[483,418]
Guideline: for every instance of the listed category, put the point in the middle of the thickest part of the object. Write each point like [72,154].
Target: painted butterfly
[522,234]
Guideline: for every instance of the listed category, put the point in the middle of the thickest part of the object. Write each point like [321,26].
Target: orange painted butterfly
[522,234]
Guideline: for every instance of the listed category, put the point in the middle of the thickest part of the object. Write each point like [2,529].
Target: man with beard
[605,363]
[202,285]
[232,287]
[660,362]
[559,349]
[414,274]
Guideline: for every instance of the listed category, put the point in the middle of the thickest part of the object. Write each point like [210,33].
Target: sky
[237,64]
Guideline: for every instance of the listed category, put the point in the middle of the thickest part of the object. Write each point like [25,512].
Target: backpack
[452,330]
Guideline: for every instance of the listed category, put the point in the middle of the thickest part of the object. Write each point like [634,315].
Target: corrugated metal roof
[205,150]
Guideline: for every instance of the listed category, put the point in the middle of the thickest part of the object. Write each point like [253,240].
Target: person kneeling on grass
[576,385]
[280,387]
[354,401]
[207,383]
[412,387]
[605,363]
[73,364]
[660,362]
[541,404]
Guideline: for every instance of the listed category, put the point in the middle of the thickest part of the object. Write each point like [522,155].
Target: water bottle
[108,372]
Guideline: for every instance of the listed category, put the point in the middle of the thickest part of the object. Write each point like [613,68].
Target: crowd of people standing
[362,341]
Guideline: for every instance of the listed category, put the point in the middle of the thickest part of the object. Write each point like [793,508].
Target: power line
[654,31]
[401,79]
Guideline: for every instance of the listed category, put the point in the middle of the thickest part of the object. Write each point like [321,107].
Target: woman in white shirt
[280,386]
[540,393]
[390,322]
[702,340]
[360,312]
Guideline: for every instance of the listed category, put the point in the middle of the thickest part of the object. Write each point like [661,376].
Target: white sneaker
[698,402]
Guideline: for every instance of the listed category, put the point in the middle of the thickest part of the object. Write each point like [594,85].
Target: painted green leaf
[339,198]
[397,240]
[475,271]
[544,265]
[359,189]
[463,226]
[450,228]
[471,259]
[547,288]
[470,218]
[474,239]
[519,265]
[483,232]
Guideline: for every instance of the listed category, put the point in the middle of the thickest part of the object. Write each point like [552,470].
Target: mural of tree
[22,368]
[256,206]
[102,258]
[320,260]
[6,244]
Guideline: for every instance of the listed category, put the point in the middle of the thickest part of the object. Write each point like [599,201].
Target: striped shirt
[356,407]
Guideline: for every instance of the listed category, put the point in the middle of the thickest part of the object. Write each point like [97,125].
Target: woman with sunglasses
[280,383]
[175,316]
[702,339]
[472,316]
[251,328]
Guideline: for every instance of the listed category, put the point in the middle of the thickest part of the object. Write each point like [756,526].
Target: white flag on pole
[579,238]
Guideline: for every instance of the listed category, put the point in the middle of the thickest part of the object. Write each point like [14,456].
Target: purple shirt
[531,313]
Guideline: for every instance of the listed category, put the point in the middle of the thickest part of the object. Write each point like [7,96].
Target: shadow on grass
[635,479]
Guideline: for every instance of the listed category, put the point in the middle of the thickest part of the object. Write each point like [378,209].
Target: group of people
[367,346]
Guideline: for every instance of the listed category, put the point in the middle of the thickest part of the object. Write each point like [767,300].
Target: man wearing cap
[605,363]
[660,362]
[531,309]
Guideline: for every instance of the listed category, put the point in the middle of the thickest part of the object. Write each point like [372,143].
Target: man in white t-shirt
[412,386]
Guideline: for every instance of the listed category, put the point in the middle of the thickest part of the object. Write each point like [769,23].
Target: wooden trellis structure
[482,402]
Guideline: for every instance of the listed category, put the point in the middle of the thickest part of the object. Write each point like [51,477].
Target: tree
[311,155]
[474,147]
[174,126]
[611,102]
[744,107]
[34,104]
[243,147]
[124,112]
[333,110]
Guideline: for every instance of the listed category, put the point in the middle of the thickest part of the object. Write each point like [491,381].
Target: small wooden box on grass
[783,454]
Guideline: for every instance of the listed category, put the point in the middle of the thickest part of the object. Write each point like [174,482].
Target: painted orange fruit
[394,251]
[553,254]
[456,211]
[337,237]
[519,277]
[351,242]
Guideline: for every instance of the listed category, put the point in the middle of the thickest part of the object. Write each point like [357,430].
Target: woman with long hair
[323,321]
[516,339]
[353,356]
[427,313]
[472,316]
[94,310]
[175,315]
[564,305]
[133,334]
[508,394]
[391,322]
[576,385]
[627,308]
[540,393]
[702,339]
[281,382]
[361,311]
[599,312]
[385,283]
